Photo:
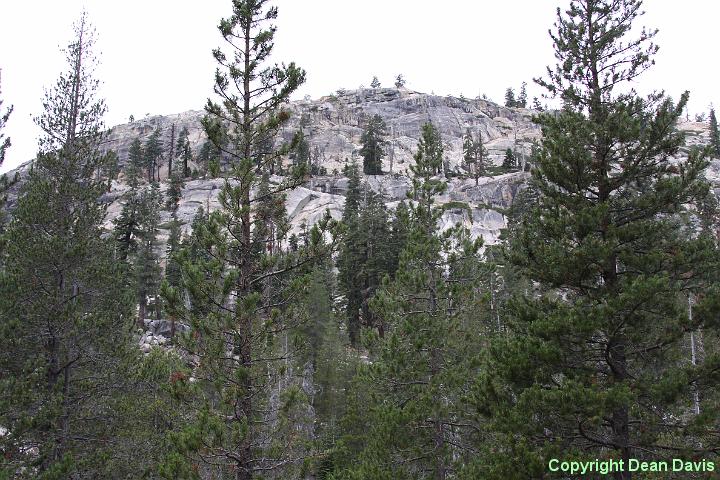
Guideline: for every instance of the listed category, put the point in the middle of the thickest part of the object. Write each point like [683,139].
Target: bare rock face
[333,126]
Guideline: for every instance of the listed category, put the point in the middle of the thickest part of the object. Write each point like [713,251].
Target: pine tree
[416,425]
[468,150]
[593,363]
[4,142]
[247,402]
[399,81]
[714,134]
[537,105]
[350,254]
[375,83]
[153,152]
[510,98]
[183,149]
[146,267]
[171,150]
[135,163]
[127,225]
[522,98]
[474,155]
[300,150]
[63,309]
[4,145]
[174,192]
[373,145]
[374,228]
[509,161]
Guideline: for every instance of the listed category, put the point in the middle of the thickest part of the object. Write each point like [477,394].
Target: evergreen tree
[432,147]
[183,149]
[714,134]
[174,192]
[350,254]
[375,83]
[153,152]
[127,225]
[171,150]
[300,150]
[377,258]
[474,155]
[4,142]
[399,81]
[593,363]
[135,163]
[468,150]
[63,309]
[373,145]
[247,401]
[135,234]
[537,105]
[146,265]
[416,420]
[4,145]
[173,273]
[509,161]
[522,97]
[510,98]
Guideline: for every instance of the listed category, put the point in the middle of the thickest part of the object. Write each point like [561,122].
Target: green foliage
[237,282]
[300,150]
[108,169]
[522,97]
[510,98]
[410,418]
[475,160]
[135,164]
[373,145]
[520,101]
[509,161]
[714,134]
[183,150]
[368,252]
[174,192]
[64,311]
[595,361]
[4,142]
[153,151]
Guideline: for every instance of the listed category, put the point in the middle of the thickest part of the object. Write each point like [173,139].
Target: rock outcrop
[333,126]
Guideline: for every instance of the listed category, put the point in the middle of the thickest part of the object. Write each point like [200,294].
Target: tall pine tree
[239,283]
[595,364]
[63,312]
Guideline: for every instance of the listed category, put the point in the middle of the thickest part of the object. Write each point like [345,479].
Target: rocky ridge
[333,126]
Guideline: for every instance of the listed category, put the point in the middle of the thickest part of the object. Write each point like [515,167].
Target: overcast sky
[156,54]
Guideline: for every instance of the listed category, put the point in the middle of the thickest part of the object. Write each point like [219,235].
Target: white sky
[156,54]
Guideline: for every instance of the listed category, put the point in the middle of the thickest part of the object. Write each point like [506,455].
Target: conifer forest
[380,284]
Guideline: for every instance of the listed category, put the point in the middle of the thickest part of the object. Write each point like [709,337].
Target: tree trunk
[245,454]
[172,149]
[142,308]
